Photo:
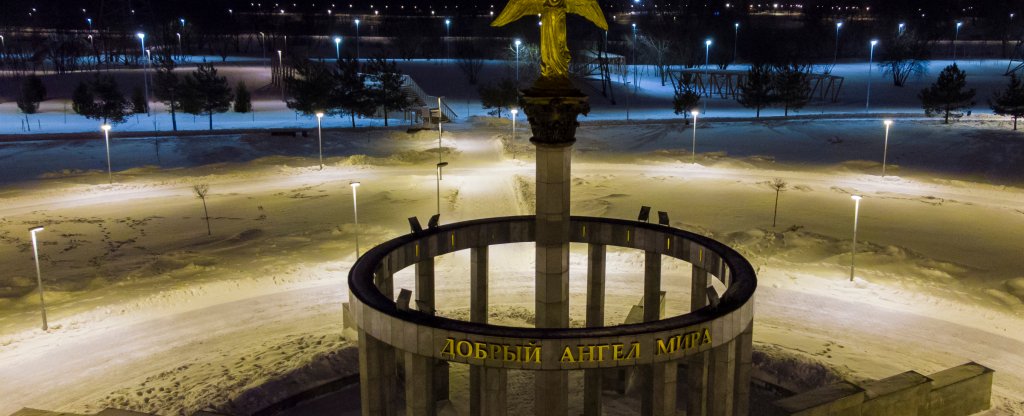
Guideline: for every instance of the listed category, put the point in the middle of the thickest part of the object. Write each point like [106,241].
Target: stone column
[495,389]
[722,379]
[697,365]
[592,387]
[419,385]
[665,388]
[652,312]
[744,361]
[425,286]
[376,376]
[551,111]
[477,313]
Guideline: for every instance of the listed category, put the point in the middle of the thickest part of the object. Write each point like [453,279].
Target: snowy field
[148,312]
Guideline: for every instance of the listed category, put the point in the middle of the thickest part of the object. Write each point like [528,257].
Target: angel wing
[589,9]
[516,9]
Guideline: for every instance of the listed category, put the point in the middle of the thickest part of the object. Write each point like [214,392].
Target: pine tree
[756,91]
[947,95]
[101,99]
[167,88]
[33,92]
[243,100]
[685,98]
[502,95]
[309,88]
[206,93]
[387,89]
[350,95]
[1009,102]
[793,88]
[138,102]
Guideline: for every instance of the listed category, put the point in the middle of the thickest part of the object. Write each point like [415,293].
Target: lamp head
[514,111]
[707,42]
[737,25]
[855,197]
[353,184]
[839,25]
[694,113]
[105,127]
[518,42]
[35,229]
[319,115]
[357,22]
[447,21]
[901,25]
[873,43]
[887,123]
[141,35]
[337,39]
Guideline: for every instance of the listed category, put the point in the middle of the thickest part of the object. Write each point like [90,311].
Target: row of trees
[764,86]
[347,88]
[201,92]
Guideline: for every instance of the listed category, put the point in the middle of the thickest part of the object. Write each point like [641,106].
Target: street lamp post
[320,139]
[693,150]
[145,77]
[885,148]
[39,275]
[142,41]
[515,114]
[439,130]
[355,213]
[735,42]
[280,71]
[337,47]
[179,43]
[853,251]
[518,42]
[106,140]
[357,40]
[636,85]
[956,35]
[899,29]
[263,42]
[835,57]
[447,36]
[707,81]
[89,20]
[871,59]
[439,166]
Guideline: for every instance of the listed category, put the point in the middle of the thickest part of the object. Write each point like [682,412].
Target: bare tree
[779,186]
[201,190]
[904,56]
[470,61]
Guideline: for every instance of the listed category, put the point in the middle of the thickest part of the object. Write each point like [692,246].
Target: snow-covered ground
[148,312]
[651,101]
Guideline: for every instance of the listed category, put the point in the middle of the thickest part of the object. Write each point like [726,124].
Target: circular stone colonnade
[705,354]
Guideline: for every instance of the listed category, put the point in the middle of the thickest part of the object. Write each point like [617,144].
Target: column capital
[552,114]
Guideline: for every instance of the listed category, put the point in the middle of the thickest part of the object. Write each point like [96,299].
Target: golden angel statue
[554,63]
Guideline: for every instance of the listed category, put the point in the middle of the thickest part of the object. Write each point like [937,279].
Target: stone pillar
[665,388]
[652,312]
[425,286]
[592,383]
[697,365]
[551,111]
[495,387]
[376,376]
[419,385]
[744,361]
[478,259]
[722,380]
[385,282]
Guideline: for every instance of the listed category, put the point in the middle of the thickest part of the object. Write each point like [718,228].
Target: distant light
[874,42]
[887,122]
[839,25]
[707,42]
[694,113]
[354,184]
[105,127]
[319,115]
[518,42]
[855,197]
[515,111]
[141,35]
[337,39]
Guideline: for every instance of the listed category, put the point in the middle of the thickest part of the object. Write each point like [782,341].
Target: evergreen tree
[387,89]
[792,87]
[757,90]
[310,87]
[33,92]
[350,95]
[947,96]
[82,99]
[243,100]
[1009,102]
[502,95]
[686,98]
[206,93]
[101,99]
[138,101]
[167,88]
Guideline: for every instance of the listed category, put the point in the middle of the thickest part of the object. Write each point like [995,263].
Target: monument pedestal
[551,109]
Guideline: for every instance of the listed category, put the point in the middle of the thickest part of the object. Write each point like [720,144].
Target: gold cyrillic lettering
[707,337]
[567,353]
[449,347]
[585,353]
[634,351]
[469,349]
[480,350]
[532,353]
